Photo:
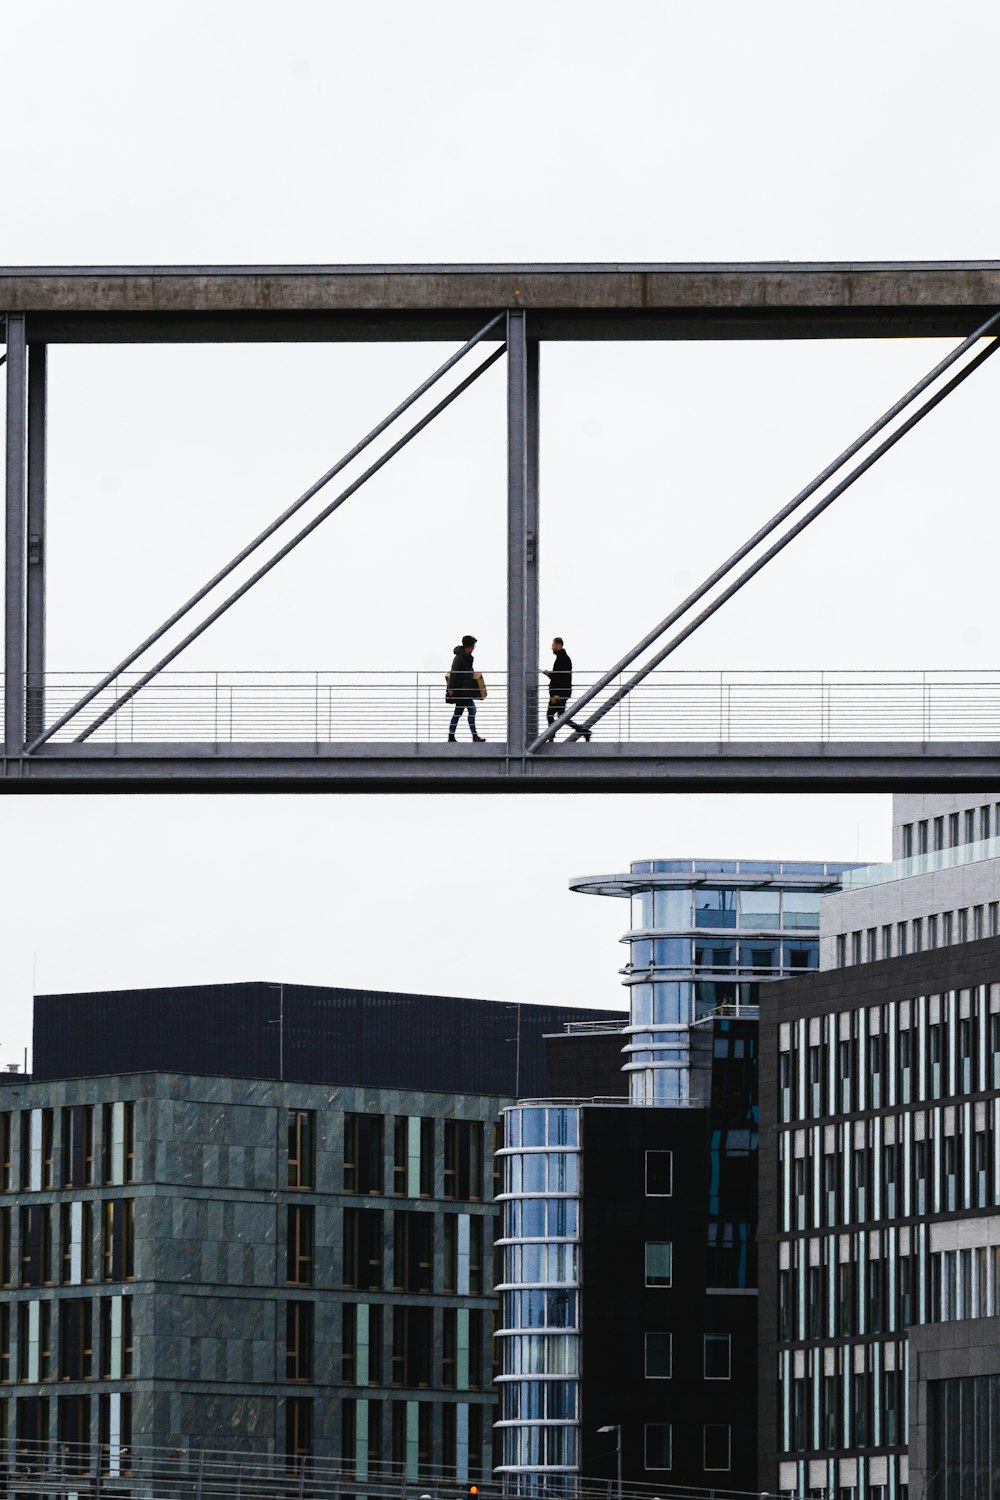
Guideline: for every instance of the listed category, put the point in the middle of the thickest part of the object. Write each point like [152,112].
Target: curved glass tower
[702,935]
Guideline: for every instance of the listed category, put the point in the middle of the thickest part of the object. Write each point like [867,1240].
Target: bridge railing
[339,707]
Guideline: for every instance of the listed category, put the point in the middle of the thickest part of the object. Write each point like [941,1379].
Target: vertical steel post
[517,534]
[531,638]
[15,530]
[37,463]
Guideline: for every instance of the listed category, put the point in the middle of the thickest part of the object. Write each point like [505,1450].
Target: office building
[292,1258]
[628,1299]
[880,1179]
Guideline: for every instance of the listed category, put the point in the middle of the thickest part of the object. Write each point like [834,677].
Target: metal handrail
[408,706]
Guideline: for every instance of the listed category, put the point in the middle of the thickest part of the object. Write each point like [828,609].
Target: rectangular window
[362,1344]
[963,925]
[918,935]
[412,1343]
[658,1262]
[298,1431]
[114,1415]
[978,924]
[302,1149]
[76,1338]
[938,833]
[841,945]
[932,932]
[36,1150]
[900,938]
[922,837]
[116,1338]
[6,1151]
[76,1242]
[984,822]
[856,947]
[413,1157]
[947,929]
[970,826]
[659,1356]
[871,945]
[119,1239]
[659,1174]
[717,1447]
[299,1341]
[413,1253]
[78,1146]
[463,1159]
[5,1344]
[907,841]
[718,1356]
[73,1424]
[34,1346]
[657,1445]
[364,1161]
[995,919]
[887,941]
[36,1245]
[953,837]
[118,1143]
[362,1239]
[301,1243]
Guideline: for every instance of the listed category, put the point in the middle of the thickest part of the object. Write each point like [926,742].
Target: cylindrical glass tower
[538,1431]
[702,935]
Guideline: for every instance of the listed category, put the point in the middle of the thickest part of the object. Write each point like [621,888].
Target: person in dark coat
[561,686]
[463,689]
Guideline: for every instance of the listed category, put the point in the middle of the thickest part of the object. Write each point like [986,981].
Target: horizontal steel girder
[360,303]
[772,766]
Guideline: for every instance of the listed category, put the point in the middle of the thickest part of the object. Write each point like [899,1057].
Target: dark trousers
[555,708]
[464,705]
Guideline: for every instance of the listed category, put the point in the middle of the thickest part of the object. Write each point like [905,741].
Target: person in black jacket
[463,689]
[561,686]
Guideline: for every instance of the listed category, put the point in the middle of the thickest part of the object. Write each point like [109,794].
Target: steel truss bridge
[146,724]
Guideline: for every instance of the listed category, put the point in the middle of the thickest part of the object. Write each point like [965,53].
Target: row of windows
[34,1260]
[541,1172]
[938,930]
[845,1298]
[411,1354]
[897,1167]
[413,1157]
[83,1338]
[367,1455]
[409,1256]
[948,832]
[898,1053]
[847,1397]
[765,954]
[81,1159]
[765,910]
[965,1284]
[534,1447]
[26,1427]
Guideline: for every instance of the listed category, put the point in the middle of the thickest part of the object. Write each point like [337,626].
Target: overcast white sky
[214,132]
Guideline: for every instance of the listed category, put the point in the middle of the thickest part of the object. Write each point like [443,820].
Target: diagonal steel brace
[573,710]
[268,531]
[292,543]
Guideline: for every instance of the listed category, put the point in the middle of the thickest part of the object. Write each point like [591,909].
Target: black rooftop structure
[303,1034]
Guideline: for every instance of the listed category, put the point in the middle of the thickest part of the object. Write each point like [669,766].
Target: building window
[918,935]
[412,1344]
[938,834]
[116,1338]
[463,1159]
[658,1262]
[37,1132]
[6,1151]
[78,1146]
[659,1356]
[717,1446]
[298,1431]
[114,1417]
[978,924]
[118,1143]
[953,836]
[887,940]
[900,938]
[970,826]
[301,1149]
[922,837]
[413,1157]
[412,1251]
[299,1341]
[32,1428]
[77,1242]
[717,1357]
[657,1445]
[855,947]
[963,925]
[362,1344]
[984,822]
[73,1423]
[364,1163]
[119,1239]
[34,1346]
[659,1174]
[947,929]
[362,1240]
[841,944]
[76,1339]
[907,840]
[995,919]
[5,1345]
[932,932]
[301,1243]
[871,944]
[36,1245]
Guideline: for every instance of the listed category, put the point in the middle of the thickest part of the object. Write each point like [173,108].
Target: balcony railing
[318,707]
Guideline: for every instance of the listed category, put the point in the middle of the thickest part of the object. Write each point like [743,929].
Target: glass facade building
[702,936]
[628,1240]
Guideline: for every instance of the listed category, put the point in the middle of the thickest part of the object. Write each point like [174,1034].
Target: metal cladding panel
[304,1034]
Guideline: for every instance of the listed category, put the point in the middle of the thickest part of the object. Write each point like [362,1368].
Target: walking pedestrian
[561,686]
[463,689]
